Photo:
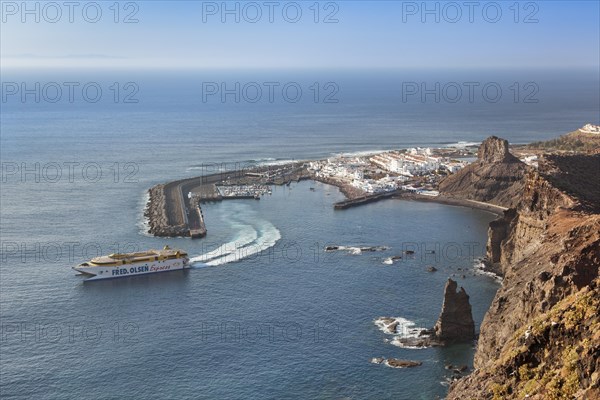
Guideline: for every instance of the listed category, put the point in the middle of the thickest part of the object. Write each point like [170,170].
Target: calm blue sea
[275,317]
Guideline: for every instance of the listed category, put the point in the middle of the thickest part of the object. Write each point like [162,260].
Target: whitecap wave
[398,326]
[480,269]
[406,333]
[274,162]
[356,250]
[363,153]
[460,145]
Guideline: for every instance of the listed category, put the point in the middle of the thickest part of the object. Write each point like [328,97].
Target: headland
[540,337]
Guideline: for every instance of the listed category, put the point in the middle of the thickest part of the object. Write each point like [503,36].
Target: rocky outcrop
[539,338]
[455,323]
[496,177]
[395,362]
[495,150]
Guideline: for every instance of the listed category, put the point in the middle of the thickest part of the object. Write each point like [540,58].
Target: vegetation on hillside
[572,142]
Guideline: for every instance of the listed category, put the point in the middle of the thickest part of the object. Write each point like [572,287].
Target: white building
[589,128]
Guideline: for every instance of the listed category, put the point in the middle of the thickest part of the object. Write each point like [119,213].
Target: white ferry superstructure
[131,264]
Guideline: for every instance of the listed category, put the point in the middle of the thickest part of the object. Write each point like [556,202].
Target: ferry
[131,264]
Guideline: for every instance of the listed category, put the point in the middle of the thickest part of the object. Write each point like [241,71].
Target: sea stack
[455,323]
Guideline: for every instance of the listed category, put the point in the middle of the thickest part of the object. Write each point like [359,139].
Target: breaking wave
[142,222]
[406,333]
[480,269]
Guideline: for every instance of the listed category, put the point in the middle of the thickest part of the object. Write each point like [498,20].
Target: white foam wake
[252,235]
[246,235]
[268,237]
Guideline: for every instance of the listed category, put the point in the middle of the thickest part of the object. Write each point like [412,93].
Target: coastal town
[416,170]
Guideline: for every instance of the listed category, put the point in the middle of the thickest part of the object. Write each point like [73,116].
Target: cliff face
[496,177]
[540,336]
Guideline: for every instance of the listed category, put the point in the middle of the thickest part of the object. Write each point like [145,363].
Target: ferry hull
[123,271]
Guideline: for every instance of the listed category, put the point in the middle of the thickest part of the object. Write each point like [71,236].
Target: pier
[341,205]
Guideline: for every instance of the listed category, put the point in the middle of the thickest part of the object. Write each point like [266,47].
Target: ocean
[264,312]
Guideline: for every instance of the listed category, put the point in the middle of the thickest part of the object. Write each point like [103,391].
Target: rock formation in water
[496,177]
[540,338]
[455,323]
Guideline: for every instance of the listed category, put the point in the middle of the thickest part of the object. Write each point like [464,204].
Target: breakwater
[358,201]
[174,209]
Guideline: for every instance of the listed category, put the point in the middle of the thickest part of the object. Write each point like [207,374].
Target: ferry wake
[130,264]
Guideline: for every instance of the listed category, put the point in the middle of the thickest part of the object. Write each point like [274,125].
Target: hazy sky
[389,34]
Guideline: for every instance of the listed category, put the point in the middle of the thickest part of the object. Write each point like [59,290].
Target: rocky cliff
[540,337]
[496,177]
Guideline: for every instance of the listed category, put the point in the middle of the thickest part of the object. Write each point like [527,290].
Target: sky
[301,34]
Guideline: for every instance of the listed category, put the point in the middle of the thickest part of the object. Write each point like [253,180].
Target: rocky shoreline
[539,338]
